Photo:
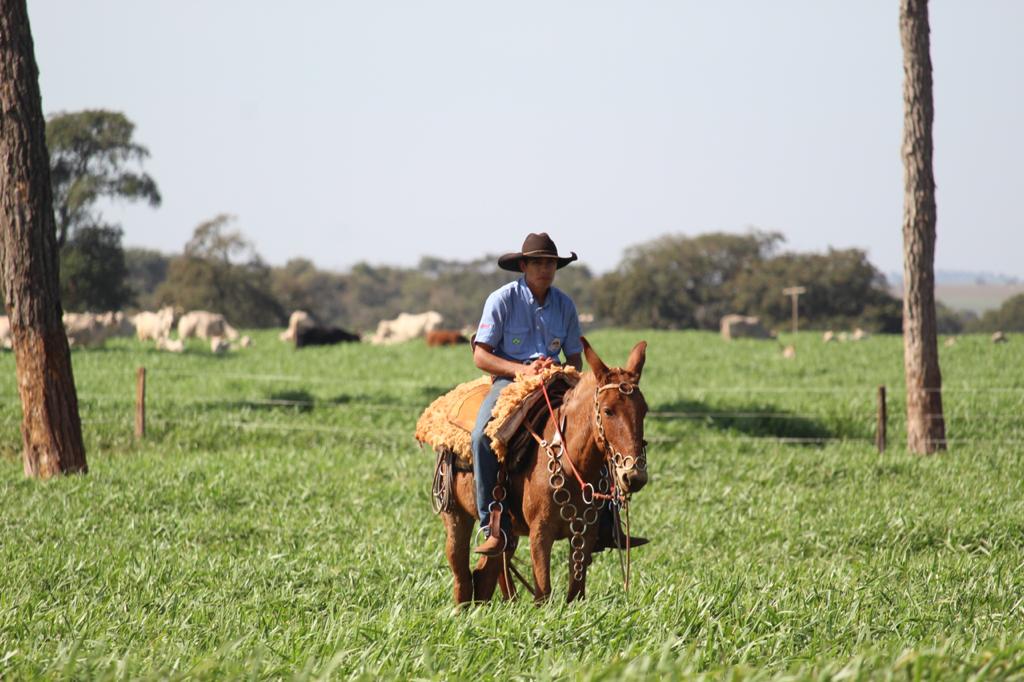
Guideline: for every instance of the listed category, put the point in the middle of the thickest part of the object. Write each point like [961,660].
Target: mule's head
[619,411]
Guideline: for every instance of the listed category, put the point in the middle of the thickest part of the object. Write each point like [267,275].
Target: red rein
[594,494]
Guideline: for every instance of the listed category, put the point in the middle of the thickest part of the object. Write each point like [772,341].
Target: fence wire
[896,405]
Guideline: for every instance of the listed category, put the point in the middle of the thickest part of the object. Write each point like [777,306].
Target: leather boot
[494,545]
[606,539]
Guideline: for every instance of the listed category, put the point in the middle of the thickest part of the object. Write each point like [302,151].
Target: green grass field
[276,523]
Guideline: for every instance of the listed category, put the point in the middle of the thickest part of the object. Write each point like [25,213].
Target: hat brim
[510,261]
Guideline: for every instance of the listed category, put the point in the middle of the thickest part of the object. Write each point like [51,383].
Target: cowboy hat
[535,246]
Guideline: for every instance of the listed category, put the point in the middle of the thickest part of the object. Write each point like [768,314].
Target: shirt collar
[528,293]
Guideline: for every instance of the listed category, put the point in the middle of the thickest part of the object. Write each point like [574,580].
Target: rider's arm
[485,359]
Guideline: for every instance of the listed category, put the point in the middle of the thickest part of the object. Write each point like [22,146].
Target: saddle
[447,422]
[466,407]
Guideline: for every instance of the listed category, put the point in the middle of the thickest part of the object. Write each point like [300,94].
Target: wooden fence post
[140,402]
[880,432]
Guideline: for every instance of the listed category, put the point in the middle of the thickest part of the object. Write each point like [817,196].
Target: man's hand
[540,364]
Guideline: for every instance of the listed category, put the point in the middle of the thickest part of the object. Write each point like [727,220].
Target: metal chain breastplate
[567,511]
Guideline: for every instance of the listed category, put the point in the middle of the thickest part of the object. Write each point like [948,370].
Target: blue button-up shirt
[521,330]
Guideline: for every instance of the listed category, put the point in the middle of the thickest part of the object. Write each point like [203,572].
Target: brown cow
[445,337]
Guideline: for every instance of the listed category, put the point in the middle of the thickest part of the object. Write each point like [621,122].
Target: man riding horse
[525,325]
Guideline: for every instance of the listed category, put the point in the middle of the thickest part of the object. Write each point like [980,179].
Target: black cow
[323,336]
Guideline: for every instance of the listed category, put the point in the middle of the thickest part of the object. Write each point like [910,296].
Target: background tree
[220,271]
[843,290]
[93,272]
[674,281]
[146,269]
[51,430]
[299,285]
[360,298]
[1009,317]
[678,282]
[951,321]
[926,426]
[577,280]
[93,157]
[372,293]
[457,289]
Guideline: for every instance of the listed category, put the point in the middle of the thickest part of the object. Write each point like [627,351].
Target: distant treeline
[673,282]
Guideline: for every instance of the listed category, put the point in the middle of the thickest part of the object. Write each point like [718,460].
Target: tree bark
[50,428]
[926,427]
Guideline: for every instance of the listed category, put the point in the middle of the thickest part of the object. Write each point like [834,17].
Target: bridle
[622,464]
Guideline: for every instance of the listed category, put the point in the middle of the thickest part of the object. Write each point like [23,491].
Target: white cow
[739,326]
[92,329]
[84,330]
[116,324]
[154,326]
[406,327]
[169,344]
[204,325]
[298,321]
[5,333]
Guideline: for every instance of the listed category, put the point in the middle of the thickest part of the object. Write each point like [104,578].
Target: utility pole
[794,294]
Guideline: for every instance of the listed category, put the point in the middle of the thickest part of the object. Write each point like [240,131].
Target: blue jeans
[485,463]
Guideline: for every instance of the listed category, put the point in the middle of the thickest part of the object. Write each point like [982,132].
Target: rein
[594,494]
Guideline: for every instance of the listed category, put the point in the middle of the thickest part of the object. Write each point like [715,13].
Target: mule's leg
[485,577]
[459,527]
[540,554]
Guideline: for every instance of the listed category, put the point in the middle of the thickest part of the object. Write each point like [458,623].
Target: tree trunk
[50,428]
[926,427]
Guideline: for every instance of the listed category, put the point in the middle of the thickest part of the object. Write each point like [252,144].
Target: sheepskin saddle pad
[447,422]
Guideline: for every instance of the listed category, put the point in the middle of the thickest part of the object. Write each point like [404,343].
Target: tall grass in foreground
[276,523]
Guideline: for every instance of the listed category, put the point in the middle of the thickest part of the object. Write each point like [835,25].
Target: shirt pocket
[556,338]
[515,339]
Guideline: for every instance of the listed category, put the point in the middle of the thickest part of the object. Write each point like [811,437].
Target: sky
[388,130]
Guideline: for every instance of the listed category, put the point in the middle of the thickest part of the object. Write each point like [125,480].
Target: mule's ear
[596,365]
[635,364]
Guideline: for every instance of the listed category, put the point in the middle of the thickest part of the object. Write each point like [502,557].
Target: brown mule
[603,417]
